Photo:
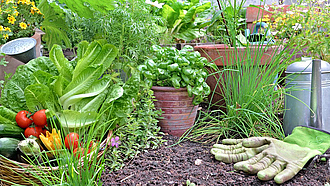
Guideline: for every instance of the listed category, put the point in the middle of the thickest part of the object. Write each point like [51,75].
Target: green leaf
[36,96]
[203,7]
[106,56]
[42,77]
[62,64]
[82,82]
[73,120]
[190,34]
[86,8]
[82,48]
[115,92]
[96,88]
[170,15]
[12,95]
[91,54]
[54,24]
[190,15]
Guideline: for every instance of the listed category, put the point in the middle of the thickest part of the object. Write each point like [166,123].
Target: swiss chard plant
[183,20]
[179,69]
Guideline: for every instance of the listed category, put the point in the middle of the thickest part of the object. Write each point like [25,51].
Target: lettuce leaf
[12,94]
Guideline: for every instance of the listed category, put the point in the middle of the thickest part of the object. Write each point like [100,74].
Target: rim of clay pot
[226,47]
[169,89]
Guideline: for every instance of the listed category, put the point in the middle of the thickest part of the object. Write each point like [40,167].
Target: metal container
[22,49]
[298,98]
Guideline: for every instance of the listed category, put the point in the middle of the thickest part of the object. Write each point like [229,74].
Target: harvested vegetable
[29,147]
[39,118]
[22,119]
[8,147]
[33,131]
[52,141]
[72,140]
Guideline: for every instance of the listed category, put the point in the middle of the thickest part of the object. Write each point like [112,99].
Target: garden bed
[175,165]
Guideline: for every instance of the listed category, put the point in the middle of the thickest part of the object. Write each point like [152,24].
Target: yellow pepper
[52,140]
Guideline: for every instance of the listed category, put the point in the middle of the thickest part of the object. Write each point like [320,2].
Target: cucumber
[8,147]
[8,130]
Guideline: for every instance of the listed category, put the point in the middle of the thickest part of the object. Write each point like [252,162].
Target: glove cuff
[310,137]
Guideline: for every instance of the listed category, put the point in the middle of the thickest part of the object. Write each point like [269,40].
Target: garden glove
[273,158]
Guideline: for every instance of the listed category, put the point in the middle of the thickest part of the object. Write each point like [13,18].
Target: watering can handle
[262,25]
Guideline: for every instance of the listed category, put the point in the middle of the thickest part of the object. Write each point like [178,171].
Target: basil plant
[169,67]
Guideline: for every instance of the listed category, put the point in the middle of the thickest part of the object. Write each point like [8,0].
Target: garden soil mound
[174,165]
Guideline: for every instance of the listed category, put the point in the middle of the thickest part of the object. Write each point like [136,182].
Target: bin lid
[305,66]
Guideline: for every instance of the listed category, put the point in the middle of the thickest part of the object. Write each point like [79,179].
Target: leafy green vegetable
[7,113]
[36,96]
[71,119]
[12,95]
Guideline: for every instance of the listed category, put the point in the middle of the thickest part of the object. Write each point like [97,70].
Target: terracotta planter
[14,63]
[179,112]
[222,55]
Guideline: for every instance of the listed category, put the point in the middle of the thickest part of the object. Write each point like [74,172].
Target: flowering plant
[18,18]
[307,25]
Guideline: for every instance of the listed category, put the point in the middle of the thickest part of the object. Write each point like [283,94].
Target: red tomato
[72,141]
[44,130]
[39,118]
[22,120]
[77,152]
[34,131]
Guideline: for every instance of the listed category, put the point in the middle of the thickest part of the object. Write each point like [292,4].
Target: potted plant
[177,78]
[235,48]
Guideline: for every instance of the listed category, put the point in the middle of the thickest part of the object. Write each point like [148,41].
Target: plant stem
[224,21]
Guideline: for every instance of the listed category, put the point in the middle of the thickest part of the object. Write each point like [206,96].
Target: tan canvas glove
[271,158]
[235,150]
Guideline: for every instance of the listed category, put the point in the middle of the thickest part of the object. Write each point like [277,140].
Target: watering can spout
[316,95]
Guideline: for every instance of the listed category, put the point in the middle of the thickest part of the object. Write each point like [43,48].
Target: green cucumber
[8,147]
[8,130]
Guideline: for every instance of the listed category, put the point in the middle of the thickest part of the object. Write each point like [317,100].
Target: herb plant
[140,132]
[178,68]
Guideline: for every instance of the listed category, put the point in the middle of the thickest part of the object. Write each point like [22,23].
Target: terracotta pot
[178,111]
[222,55]
[14,63]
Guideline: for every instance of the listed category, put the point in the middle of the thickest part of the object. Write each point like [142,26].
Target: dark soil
[176,164]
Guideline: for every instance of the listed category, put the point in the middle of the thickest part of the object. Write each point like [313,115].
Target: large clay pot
[178,111]
[222,55]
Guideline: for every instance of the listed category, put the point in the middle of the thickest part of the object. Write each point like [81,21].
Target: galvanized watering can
[308,101]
